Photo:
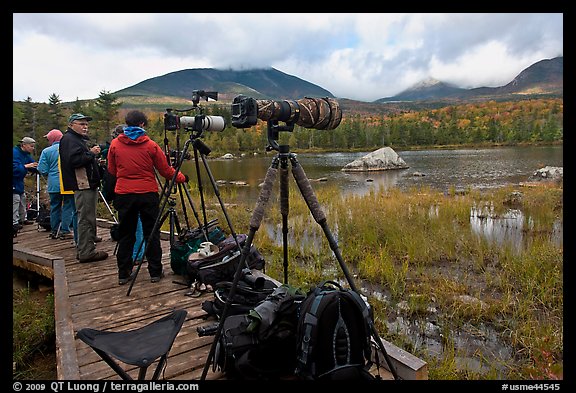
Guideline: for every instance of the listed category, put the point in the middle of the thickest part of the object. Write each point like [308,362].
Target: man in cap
[62,207]
[80,173]
[22,163]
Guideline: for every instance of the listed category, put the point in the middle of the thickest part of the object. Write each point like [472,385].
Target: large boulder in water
[380,160]
[549,173]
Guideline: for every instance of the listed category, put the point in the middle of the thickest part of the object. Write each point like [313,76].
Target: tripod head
[274,133]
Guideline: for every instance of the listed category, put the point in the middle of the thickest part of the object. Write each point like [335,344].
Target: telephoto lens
[319,113]
[209,330]
[253,281]
[205,123]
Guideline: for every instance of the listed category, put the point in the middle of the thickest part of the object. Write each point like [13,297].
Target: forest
[530,121]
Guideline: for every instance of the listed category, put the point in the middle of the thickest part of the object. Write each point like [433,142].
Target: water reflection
[504,228]
[507,228]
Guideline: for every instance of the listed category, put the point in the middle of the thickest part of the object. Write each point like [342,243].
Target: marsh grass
[33,332]
[418,248]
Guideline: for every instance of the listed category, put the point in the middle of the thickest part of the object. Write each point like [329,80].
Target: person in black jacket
[81,174]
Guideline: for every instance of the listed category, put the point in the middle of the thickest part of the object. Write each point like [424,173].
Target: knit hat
[27,140]
[53,136]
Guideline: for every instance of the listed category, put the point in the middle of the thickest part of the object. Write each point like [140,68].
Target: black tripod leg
[255,222]
[184,210]
[202,227]
[200,189]
[284,209]
[217,193]
[174,225]
[316,210]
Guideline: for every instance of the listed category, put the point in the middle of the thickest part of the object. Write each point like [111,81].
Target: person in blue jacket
[22,163]
[62,206]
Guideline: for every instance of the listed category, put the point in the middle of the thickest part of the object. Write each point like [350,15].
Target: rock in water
[380,160]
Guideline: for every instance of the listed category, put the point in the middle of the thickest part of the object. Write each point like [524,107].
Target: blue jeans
[62,213]
[136,256]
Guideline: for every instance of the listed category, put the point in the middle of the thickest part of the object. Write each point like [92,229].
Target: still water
[439,169]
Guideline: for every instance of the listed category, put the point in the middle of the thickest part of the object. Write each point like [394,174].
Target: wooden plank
[67,362]
[407,366]
[45,271]
[23,253]
[88,295]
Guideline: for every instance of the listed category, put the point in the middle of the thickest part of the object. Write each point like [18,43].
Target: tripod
[281,161]
[200,150]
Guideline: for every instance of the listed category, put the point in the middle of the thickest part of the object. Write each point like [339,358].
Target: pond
[443,170]
[439,169]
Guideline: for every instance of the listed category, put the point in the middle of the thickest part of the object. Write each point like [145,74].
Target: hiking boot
[97,239]
[66,236]
[157,278]
[126,280]
[97,256]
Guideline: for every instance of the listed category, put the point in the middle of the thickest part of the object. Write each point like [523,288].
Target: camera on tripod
[177,155]
[319,113]
[198,123]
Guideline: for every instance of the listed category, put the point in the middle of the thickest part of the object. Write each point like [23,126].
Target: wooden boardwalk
[88,295]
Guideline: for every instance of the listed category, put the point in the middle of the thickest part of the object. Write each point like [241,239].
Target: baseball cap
[27,140]
[53,136]
[78,116]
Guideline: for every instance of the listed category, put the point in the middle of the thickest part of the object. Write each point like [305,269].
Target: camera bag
[246,297]
[222,265]
[333,335]
[249,341]
[43,218]
[189,243]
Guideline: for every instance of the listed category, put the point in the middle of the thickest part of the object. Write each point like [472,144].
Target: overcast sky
[353,55]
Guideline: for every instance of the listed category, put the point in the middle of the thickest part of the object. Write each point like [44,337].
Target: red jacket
[132,162]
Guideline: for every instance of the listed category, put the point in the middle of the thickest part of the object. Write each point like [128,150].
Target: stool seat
[139,347]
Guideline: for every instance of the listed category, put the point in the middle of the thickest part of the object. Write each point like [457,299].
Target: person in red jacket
[133,158]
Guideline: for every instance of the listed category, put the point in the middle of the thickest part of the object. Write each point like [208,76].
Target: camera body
[177,155]
[198,123]
[244,112]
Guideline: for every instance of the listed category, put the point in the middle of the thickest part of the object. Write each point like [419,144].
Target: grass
[33,342]
[418,248]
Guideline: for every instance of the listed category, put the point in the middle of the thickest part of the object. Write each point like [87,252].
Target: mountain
[266,83]
[545,77]
[428,89]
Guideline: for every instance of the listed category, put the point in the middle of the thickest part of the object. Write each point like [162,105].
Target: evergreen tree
[56,116]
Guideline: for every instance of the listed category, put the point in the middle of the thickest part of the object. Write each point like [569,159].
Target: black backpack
[43,218]
[333,335]
[261,344]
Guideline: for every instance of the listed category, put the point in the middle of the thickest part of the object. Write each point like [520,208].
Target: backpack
[222,265]
[189,243]
[261,344]
[43,218]
[333,335]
